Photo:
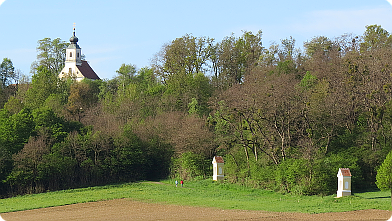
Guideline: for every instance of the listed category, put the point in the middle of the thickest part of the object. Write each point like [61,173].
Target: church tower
[73,51]
[74,66]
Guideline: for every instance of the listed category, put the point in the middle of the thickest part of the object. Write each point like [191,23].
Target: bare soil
[127,209]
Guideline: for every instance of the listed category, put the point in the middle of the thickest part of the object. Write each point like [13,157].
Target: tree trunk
[247,155]
[255,150]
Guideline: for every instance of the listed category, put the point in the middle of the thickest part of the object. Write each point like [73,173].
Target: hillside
[283,118]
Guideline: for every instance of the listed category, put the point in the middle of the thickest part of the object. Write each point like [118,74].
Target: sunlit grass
[205,193]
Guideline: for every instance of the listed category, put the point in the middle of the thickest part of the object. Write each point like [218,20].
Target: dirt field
[127,209]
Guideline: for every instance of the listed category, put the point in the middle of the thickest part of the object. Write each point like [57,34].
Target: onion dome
[74,39]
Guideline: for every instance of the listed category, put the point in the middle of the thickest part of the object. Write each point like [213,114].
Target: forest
[283,118]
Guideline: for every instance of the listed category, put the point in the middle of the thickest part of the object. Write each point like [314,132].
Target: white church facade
[74,66]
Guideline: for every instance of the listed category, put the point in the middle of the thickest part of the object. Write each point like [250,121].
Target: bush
[293,176]
[190,165]
[324,173]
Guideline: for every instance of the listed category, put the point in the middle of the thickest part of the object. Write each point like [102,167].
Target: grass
[205,193]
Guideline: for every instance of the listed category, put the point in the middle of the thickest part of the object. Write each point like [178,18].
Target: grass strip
[203,193]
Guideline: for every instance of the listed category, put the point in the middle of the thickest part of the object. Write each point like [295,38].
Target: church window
[70,54]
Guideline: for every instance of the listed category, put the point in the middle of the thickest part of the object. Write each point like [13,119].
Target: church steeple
[73,52]
[74,66]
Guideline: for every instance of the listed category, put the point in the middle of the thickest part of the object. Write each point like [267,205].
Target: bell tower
[73,52]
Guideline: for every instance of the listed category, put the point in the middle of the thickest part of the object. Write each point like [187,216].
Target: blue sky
[125,31]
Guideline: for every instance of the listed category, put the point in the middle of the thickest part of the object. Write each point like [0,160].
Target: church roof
[87,71]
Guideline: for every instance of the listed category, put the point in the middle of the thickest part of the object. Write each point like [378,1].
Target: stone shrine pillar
[344,182]
[218,166]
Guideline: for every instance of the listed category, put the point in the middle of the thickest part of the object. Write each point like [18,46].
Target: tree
[287,49]
[49,125]
[182,65]
[13,105]
[181,89]
[44,83]
[129,161]
[236,56]
[26,166]
[51,55]
[7,73]
[149,89]
[320,44]
[384,174]
[125,74]
[8,76]
[15,131]
[83,95]
[186,55]
[375,37]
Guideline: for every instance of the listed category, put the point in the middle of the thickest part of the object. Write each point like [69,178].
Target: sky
[115,32]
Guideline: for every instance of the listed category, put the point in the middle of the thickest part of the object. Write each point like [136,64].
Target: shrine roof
[219,159]
[345,171]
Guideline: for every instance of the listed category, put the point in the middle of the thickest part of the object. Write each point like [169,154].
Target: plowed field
[127,209]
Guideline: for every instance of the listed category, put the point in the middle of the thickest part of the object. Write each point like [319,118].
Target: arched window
[70,54]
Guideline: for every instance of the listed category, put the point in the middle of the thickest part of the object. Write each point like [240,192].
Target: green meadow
[204,193]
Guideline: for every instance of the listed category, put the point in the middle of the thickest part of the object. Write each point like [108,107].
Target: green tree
[139,91]
[13,105]
[150,90]
[186,56]
[125,74]
[384,174]
[51,55]
[308,81]
[15,129]
[128,161]
[49,125]
[236,56]
[190,165]
[375,37]
[7,73]
[57,171]
[181,89]
[320,44]
[44,83]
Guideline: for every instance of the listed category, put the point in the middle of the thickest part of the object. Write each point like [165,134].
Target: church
[74,66]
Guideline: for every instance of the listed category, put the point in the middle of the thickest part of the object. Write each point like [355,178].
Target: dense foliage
[282,118]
